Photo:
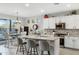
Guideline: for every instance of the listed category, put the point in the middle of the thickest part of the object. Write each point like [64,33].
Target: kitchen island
[52,40]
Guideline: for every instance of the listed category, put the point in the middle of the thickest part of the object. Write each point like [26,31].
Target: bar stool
[21,46]
[32,47]
[44,46]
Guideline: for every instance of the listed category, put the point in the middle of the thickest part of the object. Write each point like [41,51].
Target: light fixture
[68,5]
[27,4]
[17,18]
[42,10]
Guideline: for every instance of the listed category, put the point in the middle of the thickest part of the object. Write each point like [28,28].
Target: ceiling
[35,8]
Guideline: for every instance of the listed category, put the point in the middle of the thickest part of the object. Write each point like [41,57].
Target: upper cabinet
[52,23]
[45,23]
[76,21]
[71,22]
[49,23]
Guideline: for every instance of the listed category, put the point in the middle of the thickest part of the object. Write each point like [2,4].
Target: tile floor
[68,51]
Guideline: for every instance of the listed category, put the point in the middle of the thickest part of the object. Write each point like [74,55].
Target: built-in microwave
[60,25]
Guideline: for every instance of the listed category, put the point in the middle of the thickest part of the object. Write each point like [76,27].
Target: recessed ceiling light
[27,4]
[42,10]
[68,5]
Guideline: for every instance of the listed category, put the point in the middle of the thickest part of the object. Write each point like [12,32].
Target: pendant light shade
[45,16]
[17,18]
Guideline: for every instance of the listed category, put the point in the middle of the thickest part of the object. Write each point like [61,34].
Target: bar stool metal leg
[37,51]
[48,52]
[30,51]
[23,49]
[26,49]
[17,49]
[34,50]
[42,52]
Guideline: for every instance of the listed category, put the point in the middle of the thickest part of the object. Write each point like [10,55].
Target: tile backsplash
[72,32]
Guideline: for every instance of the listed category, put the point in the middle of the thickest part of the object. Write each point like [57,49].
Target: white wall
[34,20]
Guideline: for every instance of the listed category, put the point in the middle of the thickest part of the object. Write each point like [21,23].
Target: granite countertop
[73,35]
[43,37]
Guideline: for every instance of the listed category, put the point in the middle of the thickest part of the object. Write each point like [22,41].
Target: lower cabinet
[68,42]
[71,42]
[76,43]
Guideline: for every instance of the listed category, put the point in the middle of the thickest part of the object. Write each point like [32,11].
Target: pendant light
[17,18]
[45,16]
[17,23]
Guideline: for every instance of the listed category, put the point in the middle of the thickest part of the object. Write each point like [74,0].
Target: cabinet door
[76,22]
[68,42]
[69,22]
[45,23]
[51,23]
[76,42]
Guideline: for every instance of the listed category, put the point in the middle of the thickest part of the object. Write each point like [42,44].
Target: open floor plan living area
[39,28]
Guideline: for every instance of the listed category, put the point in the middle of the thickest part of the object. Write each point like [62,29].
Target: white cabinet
[69,22]
[52,23]
[76,21]
[49,23]
[68,42]
[72,22]
[72,42]
[76,43]
[45,23]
